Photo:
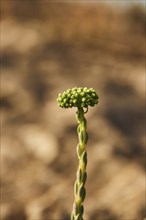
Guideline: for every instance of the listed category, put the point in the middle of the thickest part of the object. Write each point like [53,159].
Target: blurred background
[47,47]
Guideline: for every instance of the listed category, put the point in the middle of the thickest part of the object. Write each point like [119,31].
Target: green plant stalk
[79,187]
[81,98]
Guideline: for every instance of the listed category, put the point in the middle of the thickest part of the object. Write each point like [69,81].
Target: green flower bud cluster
[77,97]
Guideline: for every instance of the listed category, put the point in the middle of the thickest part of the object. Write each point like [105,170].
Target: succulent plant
[78,97]
[81,98]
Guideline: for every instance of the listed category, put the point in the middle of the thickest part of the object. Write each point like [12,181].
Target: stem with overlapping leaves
[79,187]
[80,98]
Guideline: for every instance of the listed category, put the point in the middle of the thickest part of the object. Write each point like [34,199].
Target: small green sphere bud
[77,97]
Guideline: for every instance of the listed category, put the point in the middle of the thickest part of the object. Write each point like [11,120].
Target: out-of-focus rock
[39,142]
[11,212]
[27,38]
[50,205]
[12,153]
[117,188]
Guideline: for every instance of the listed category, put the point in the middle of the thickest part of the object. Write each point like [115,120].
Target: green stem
[79,187]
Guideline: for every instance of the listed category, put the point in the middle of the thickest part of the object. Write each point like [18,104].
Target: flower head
[77,97]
